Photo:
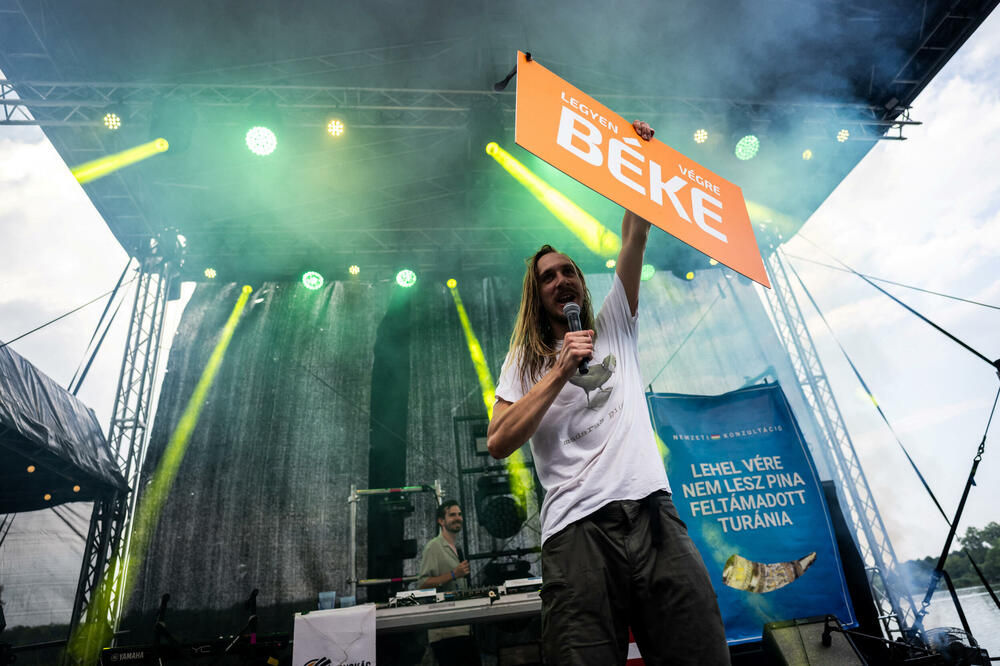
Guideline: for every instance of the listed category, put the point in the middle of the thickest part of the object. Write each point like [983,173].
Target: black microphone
[572,312]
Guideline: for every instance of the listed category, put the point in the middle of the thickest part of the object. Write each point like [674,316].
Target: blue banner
[745,484]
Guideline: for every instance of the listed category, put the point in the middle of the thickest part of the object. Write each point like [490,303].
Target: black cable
[68,524]
[939,568]
[386,428]
[857,374]
[93,356]
[62,316]
[898,284]
[101,320]
[995,364]
[684,341]
[868,391]
[8,521]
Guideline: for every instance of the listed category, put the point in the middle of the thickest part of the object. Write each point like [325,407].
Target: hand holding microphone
[572,312]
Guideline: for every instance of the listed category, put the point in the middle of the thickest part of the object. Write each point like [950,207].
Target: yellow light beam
[520,477]
[93,635]
[102,166]
[599,239]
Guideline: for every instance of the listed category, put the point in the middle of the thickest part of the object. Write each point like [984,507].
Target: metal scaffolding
[84,104]
[896,609]
[108,539]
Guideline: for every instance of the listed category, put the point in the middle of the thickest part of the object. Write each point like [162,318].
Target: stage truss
[895,606]
[108,539]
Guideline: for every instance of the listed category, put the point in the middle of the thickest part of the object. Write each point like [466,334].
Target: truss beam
[108,539]
[895,607]
[82,103]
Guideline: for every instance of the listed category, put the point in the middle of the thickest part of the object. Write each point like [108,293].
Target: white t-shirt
[595,444]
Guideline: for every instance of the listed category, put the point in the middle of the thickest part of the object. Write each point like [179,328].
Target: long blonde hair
[532,344]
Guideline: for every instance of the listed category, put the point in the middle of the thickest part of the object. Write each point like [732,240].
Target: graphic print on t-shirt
[593,382]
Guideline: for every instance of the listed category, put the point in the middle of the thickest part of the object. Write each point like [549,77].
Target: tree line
[984,546]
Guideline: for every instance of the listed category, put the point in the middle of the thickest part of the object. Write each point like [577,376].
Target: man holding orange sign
[615,553]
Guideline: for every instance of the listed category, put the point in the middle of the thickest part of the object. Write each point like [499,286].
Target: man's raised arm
[635,231]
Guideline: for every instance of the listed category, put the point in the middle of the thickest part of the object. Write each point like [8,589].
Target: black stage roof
[409,185]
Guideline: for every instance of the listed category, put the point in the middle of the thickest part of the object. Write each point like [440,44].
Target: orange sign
[589,142]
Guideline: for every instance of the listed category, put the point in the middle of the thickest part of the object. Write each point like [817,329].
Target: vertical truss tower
[896,609]
[108,539]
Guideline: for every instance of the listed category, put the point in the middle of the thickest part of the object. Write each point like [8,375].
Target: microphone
[572,312]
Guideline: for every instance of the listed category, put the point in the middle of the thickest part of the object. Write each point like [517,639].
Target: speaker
[800,643]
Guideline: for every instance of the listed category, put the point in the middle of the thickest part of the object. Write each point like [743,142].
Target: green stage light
[807,154]
[843,135]
[599,239]
[114,590]
[747,147]
[647,272]
[610,263]
[112,121]
[335,127]
[689,275]
[354,269]
[701,136]
[261,141]
[102,166]
[452,283]
[406,278]
[312,280]
[210,273]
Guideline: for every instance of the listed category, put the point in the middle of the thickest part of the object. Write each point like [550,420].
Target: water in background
[982,614]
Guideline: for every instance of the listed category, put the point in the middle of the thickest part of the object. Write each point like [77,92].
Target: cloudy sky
[924,212]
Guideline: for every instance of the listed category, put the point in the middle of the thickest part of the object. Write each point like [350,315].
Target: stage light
[31,469]
[689,275]
[406,278]
[46,497]
[499,510]
[843,135]
[102,166]
[610,263]
[335,127]
[112,121]
[807,154]
[261,141]
[713,262]
[647,272]
[452,283]
[701,136]
[519,476]
[747,147]
[312,280]
[354,269]
[114,591]
[210,273]
[599,239]
[76,489]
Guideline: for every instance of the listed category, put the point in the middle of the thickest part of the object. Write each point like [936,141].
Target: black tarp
[47,430]
[260,497]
